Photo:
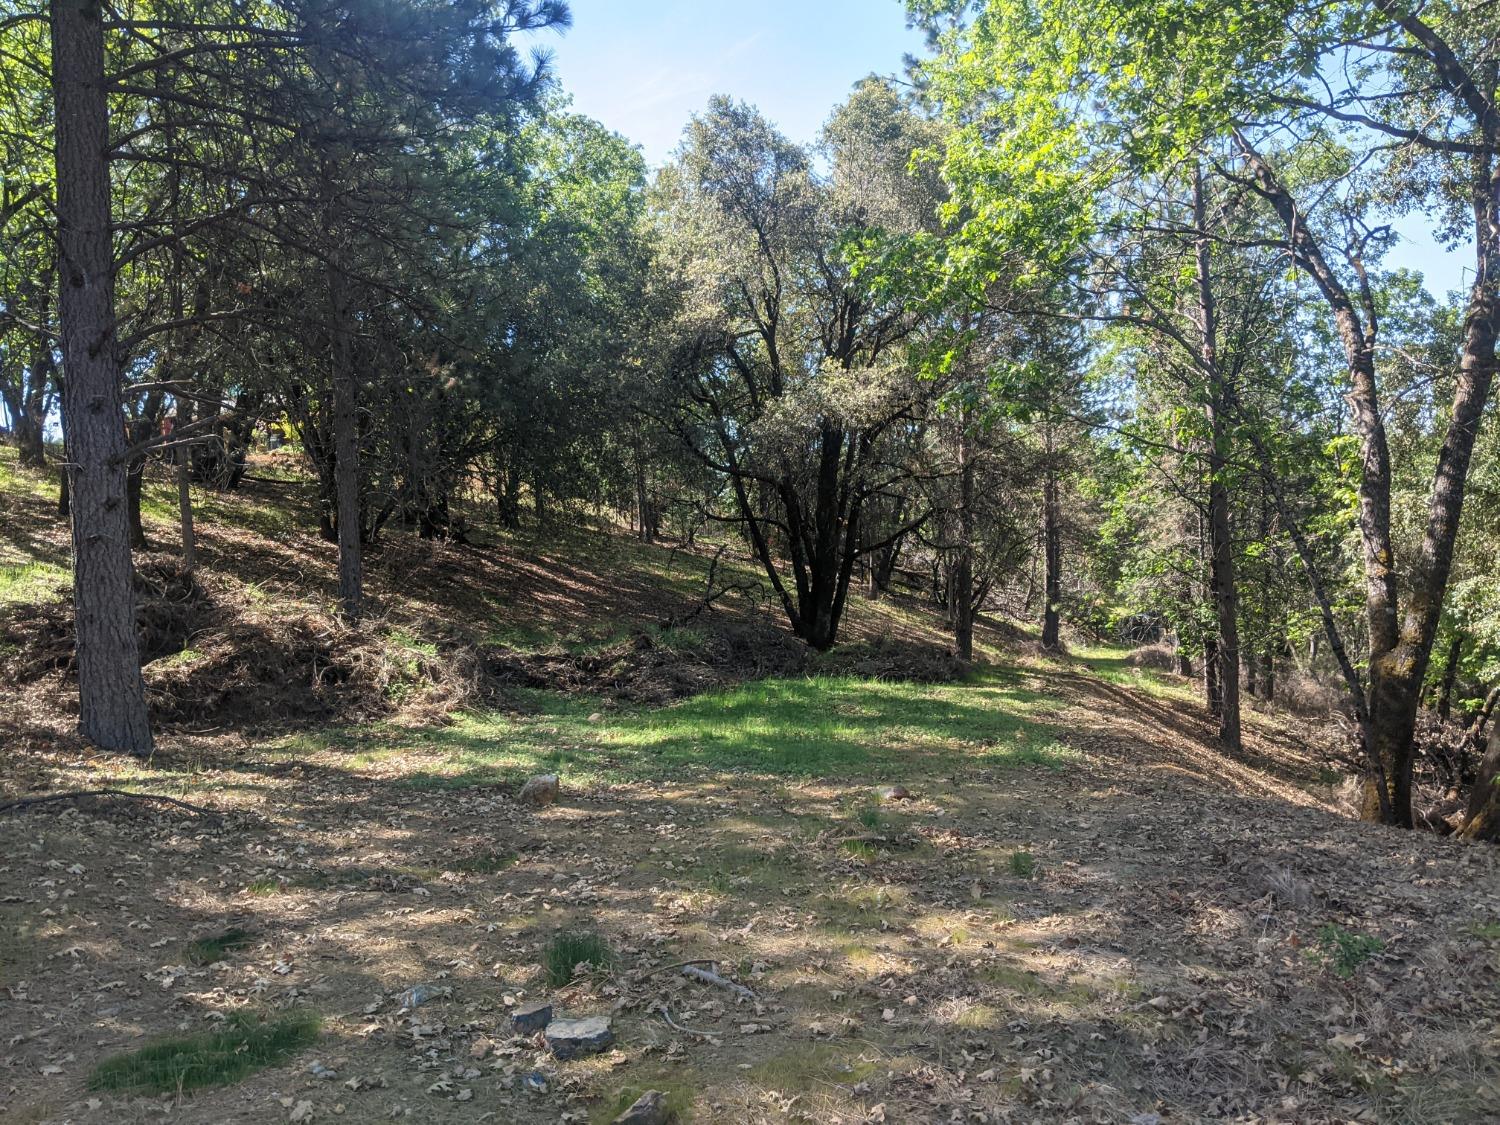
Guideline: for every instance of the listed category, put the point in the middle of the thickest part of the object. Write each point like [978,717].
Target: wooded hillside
[1001,590]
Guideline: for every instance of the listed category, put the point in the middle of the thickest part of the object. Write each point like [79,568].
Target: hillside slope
[1083,912]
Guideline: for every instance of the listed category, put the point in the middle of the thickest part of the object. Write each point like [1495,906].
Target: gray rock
[420,994]
[540,791]
[649,1109]
[528,1019]
[893,793]
[571,1039]
[535,1082]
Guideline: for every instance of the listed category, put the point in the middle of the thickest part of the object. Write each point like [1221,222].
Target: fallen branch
[79,794]
[708,977]
[667,1015]
[674,965]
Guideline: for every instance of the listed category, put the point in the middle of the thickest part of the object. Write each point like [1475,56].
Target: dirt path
[1148,930]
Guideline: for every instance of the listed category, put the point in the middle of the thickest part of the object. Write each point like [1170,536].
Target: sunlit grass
[799,728]
[1111,663]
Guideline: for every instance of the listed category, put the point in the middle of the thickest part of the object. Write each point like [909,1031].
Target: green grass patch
[1111,663]
[566,951]
[486,863]
[1343,951]
[796,728]
[1022,864]
[678,1096]
[211,950]
[812,1067]
[32,582]
[209,1058]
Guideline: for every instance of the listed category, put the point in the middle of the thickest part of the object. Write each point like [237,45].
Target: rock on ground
[531,1018]
[539,791]
[571,1039]
[648,1109]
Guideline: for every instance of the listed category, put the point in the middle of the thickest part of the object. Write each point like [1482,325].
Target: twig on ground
[666,1014]
[79,794]
[717,981]
[674,965]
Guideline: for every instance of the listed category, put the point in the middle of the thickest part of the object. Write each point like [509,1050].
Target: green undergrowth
[225,1055]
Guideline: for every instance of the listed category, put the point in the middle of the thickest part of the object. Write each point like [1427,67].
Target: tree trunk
[1182,661]
[111,694]
[31,450]
[1476,729]
[1450,675]
[643,501]
[345,449]
[1221,568]
[135,473]
[1052,552]
[1482,821]
[508,497]
[1397,674]
[1213,695]
[184,459]
[962,597]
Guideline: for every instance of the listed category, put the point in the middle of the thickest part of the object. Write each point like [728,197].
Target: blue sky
[643,67]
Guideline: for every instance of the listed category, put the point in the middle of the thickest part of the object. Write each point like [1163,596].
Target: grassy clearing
[803,728]
[210,1058]
[1111,663]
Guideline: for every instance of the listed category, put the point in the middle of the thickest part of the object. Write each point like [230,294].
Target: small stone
[420,994]
[528,1019]
[571,1039]
[648,1109]
[893,793]
[596,717]
[539,792]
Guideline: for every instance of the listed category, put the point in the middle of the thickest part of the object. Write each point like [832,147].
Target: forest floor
[1083,913]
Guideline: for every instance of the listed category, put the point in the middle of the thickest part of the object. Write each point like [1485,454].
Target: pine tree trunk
[184,459]
[31,450]
[345,450]
[1052,551]
[135,474]
[111,694]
